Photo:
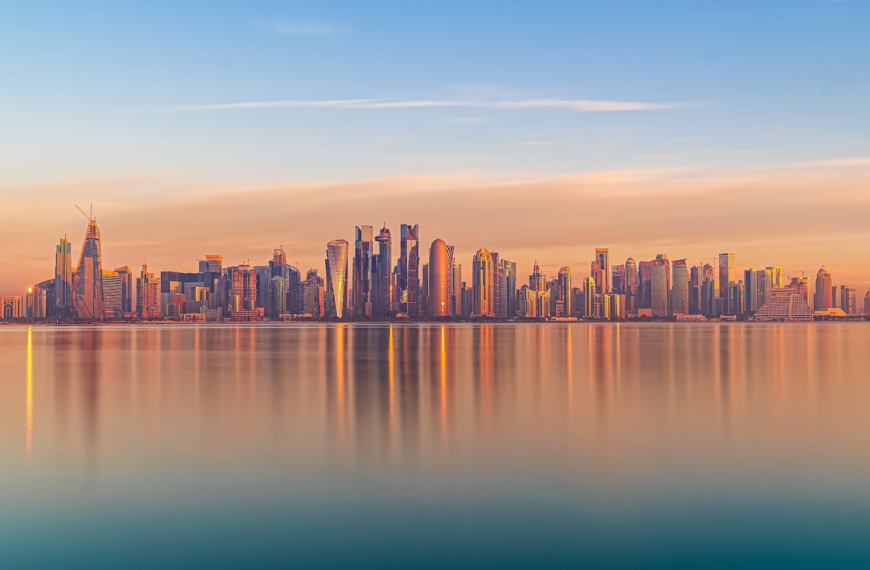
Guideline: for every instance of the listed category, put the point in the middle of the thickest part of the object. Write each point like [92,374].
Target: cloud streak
[571,105]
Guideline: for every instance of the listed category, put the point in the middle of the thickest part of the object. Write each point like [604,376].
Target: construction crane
[85,214]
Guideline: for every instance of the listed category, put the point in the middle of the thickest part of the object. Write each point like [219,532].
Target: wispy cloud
[573,105]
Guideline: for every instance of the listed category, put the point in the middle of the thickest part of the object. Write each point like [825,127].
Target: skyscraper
[63,291]
[765,285]
[848,300]
[409,269]
[336,277]
[508,288]
[212,263]
[644,292]
[659,286]
[563,304]
[727,275]
[382,293]
[450,250]
[439,294]
[88,279]
[750,291]
[242,288]
[456,292]
[824,292]
[602,256]
[589,297]
[596,272]
[680,291]
[113,294]
[482,276]
[147,294]
[362,259]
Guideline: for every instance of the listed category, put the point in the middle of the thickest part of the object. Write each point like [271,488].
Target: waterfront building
[735,298]
[777,277]
[727,275]
[680,291]
[602,257]
[212,263]
[750,292]
[765,285]
[848,300]
[63,291]
[617,275]
[507,288]
[867,304]
[450,251]
[482,278]
[563,304]
[88,278]
[784,305]
[362,269]
[113,294]
[147,294]
[456,292]
[409,268]
[660,286]
[596,272]
[644,292]
[13,307]
[336,278]
[631,284]
[824,290]
[589,297]
[439,269]
[801,286]
[617,307]
[382,291]
[313,296]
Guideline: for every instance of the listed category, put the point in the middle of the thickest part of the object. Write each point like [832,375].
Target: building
[617,276]
[563,303]
[848,300]
[644,293]
[481,284]
[801,286]
[409,270]
[507,288]
[439,292]
[528,306]
[63,291]
[727,275]
[784,305]
[660,286]
[824,290]
[336,278]
[313,295]
[88,278]
[680,290]
[456,292]
[241,289]
[589,297]
[777,276]
[147,294]
[750,291]
[362,270]
[631,284]
[113,294]
[13,307]
[617,307]
[602,257]
[735,298]
[765,284]
[211,264]
[382,273]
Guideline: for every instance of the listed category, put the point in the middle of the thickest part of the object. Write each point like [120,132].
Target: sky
[537,129]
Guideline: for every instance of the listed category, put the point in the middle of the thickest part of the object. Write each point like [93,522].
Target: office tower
[147,294]
[578,305]
[735,298]
[482,277]
[278,303]
[63,291]
[563,306]
[423,306]
[211,264]
[292,302]
[409,268]
[602,307]
[381,290]
[848,300]
[617,276]
[439,292]
[467,300]
[659,286]
[13,307]
[336,278]
[113,294]
[597,273]
[127,289]
[824,294]
[750,291]
[88,278]
[362,261]
[507,288]
[496,283]
[765,285]
[801,286]
[589,297]
[777,277]
[553,293]
[680,291]
[602,256]
[537,281]
[456,292]
[450,250]
[631,284]
[727,275]
[241,288]
[617,307]
[313,297]
[644,285]
[528,302]
[264,288]
[544,302]
[709,307]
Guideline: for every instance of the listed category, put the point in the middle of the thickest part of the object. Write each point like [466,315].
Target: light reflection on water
[341,444]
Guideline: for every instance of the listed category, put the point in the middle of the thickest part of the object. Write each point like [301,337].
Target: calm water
[720,445]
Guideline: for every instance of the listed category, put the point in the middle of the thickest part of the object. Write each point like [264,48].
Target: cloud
[573,105]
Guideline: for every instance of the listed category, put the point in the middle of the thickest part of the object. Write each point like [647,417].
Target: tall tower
[63,291]
[602,256]
[680,292]
[824,290]
[381,290]
[409,269]
[362,255]
[660,286]
[482,283]
[336,276]
[439,293]
[88,280]
[563,304]
[589,297]
[727,275]
[631,283]
[537,281]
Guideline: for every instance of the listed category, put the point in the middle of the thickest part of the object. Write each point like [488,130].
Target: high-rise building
[336,278]
[824,290]
[482,277]
[313,297]
[727,275]
[589,297]
[680,291]
[113,294]
[563,303]
[148,294]
[659,286]
[450,259]
[456,293]
[382,272]
[127,289]
[507,276]
[212,263]
[644,285]
[777,276]
[602,256]
[631,284]
[63,291]
[409,270]
[13,306]
[88,278]
[765,285]
[801,286]
[362,269]
[848,300]
[242,288]
[439,293]
[537,280]
[750,291]
[735,298]
[528,302]
[596,272]
[617,276]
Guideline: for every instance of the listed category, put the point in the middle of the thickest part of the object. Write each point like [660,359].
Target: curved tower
[88,279]
[482,284]
[439,267]
[824,289]
[336,276]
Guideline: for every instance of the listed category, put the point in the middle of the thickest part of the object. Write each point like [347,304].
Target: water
[652,445]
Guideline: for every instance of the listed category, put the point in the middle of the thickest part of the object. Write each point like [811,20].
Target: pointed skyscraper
[88,279]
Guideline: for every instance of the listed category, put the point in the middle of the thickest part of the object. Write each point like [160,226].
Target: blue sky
[152,108]
[110,88]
